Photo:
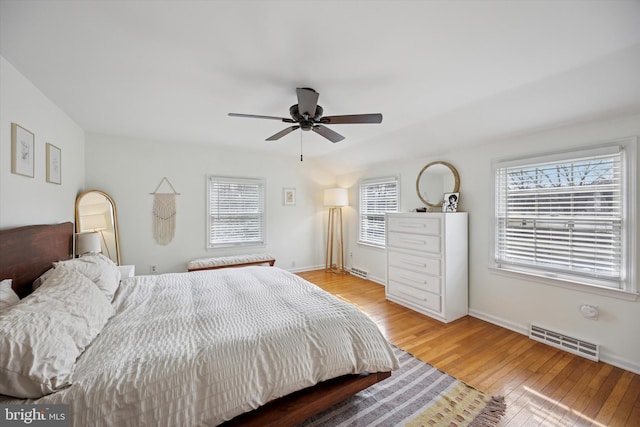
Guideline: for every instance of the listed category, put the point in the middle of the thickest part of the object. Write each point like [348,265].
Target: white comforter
[199,348]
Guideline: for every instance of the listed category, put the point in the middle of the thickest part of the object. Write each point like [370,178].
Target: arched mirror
[434,180]
[96,211]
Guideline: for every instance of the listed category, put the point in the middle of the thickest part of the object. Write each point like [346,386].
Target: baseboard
[608,358]
[524,330]
[620,362]
[302,269]
[377,280]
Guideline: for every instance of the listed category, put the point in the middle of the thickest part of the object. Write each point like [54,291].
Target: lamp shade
[336,197]
[88,243]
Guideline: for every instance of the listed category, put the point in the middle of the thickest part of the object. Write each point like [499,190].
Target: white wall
[512,301]
[130,169]
[24,200]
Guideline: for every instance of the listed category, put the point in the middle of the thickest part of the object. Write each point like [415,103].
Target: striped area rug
[415,395]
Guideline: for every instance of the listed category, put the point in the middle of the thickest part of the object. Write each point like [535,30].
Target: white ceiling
[444,74]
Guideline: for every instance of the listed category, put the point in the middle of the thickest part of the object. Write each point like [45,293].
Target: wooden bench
[230,261]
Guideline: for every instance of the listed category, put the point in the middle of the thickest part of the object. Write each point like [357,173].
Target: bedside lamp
[335,199]
[96,222]
[88,243]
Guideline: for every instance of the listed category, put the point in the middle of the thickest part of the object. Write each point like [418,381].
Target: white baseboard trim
[377,280]
[608,358]
[619,362]
[524,330]
[301,269]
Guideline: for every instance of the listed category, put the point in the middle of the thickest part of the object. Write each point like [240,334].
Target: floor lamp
[335,199]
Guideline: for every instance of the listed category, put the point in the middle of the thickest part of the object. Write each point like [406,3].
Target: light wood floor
[542,386]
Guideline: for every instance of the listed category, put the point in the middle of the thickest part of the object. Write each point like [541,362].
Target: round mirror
[434,180]
[96,212]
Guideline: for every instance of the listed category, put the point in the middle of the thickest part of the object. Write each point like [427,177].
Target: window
[377,196]
[569,216]
[235,211]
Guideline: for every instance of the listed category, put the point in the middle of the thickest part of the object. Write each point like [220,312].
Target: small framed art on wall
[54,164]
[22,151]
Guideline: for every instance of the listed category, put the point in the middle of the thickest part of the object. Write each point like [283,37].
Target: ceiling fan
[308,116]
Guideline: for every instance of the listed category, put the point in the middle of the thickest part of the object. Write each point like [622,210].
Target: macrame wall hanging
[164,214]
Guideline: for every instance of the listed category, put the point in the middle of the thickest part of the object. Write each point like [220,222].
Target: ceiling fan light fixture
[308,102]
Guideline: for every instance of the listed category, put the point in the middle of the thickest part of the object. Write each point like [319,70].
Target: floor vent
[360,273]
[564,342]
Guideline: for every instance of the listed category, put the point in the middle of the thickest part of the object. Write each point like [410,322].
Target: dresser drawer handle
[411,225]
[411,279]
[414,297]
[417,241]
[415,263]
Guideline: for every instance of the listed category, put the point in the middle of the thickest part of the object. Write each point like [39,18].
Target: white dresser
[427,265]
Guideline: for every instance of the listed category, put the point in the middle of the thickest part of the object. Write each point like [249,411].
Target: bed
[245,346]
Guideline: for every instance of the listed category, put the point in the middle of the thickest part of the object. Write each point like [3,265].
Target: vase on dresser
[427,263]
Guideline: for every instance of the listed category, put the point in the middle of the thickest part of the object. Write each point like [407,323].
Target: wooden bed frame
[29,251]
[297,407]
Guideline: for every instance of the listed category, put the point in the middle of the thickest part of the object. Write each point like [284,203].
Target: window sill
[235,245]
[575,286]
[371,245]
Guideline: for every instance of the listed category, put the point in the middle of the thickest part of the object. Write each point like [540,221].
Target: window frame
[628,288]
[373,181]
[261,182]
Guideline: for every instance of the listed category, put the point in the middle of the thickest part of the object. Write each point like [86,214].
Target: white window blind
[377,196]
[563,217]
[235,211]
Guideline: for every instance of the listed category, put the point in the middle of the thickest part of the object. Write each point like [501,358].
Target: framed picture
[289,196]
[450,202]
[22,151]
[54,164]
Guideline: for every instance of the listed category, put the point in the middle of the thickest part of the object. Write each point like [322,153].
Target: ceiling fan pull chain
[300,144]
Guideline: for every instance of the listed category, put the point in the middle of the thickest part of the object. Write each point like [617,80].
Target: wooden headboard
[27,252]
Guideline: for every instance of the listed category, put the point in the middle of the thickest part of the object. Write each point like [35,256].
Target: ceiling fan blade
[327,133]
[307,101]
[256,116]
[352,118]
[282,133]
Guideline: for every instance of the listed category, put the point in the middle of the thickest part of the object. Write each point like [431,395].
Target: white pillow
[7,295]
[100,269]
[42,336]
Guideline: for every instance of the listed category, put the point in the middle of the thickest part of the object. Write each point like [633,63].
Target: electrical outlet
[153,268]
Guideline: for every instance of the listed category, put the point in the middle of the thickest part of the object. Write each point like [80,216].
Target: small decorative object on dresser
[427,268]
[450,202]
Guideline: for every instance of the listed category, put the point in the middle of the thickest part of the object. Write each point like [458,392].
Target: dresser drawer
[423,225]
[419,297]
[417,280]
[419,263]
[416,242]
